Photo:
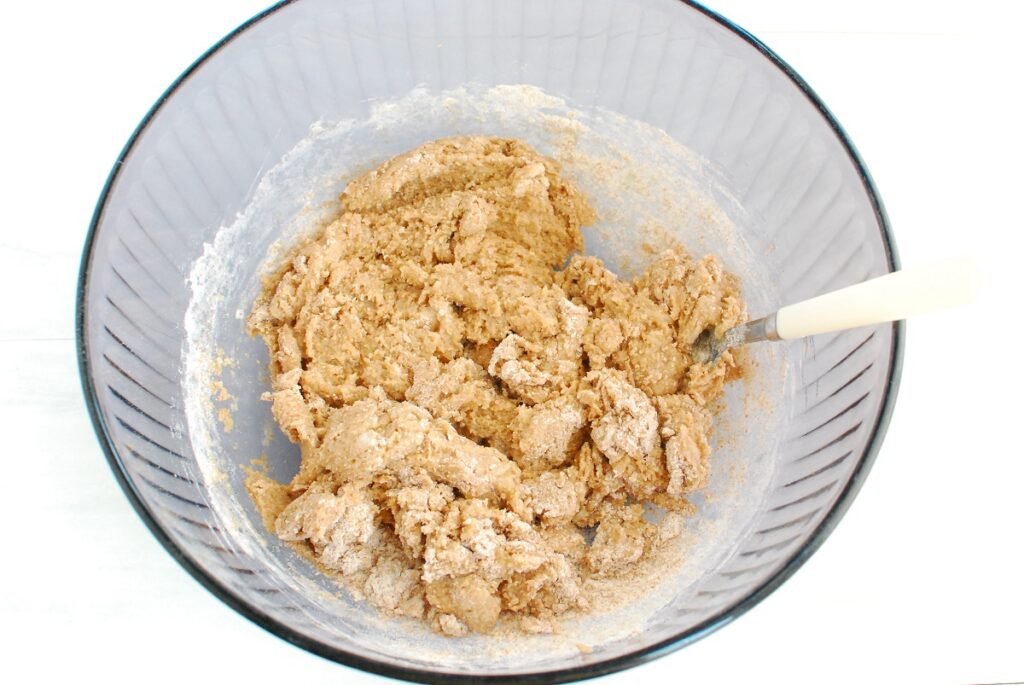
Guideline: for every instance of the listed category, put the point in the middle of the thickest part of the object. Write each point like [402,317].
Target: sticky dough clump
[468,404]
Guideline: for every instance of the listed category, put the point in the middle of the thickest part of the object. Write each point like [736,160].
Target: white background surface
[923,581]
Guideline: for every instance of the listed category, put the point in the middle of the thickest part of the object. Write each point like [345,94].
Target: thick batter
[480,421]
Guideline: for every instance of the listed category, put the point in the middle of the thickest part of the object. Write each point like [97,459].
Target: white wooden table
[922,582]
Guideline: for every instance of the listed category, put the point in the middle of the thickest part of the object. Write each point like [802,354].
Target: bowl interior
[675,125]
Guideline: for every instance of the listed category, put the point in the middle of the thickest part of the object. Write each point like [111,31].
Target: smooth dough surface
[482,411]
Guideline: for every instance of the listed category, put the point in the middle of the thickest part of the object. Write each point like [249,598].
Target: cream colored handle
[947,283]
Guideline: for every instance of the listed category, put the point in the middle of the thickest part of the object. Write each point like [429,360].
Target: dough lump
[481,410]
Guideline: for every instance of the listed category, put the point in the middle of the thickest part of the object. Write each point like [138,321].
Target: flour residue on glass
[647,191]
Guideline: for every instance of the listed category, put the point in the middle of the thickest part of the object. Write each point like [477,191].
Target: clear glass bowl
[768,152]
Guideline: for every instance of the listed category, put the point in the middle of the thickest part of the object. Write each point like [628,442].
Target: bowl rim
[574,673]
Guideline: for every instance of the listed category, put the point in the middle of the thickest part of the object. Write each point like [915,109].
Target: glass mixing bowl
[242,150]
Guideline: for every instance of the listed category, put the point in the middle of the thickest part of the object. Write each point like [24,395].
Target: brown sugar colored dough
[466,406]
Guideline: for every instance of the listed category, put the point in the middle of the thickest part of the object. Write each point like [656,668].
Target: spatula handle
[942,284]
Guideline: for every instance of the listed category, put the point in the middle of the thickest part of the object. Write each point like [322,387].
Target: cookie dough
[483,412]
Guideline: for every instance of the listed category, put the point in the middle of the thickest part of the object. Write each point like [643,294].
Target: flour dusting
[647,191]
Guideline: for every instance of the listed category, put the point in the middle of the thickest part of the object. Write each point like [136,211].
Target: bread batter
[482,412]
